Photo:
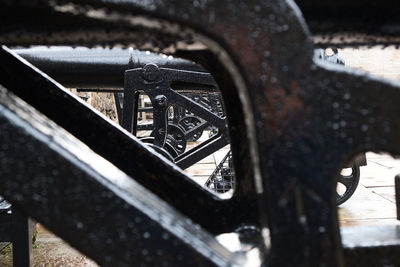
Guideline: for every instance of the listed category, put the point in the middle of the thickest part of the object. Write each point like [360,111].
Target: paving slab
[373,203]
[375,174]
[386,192]
[220,154]
[365,204]
[368,222]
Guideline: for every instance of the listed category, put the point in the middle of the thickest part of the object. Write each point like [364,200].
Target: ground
[49,251]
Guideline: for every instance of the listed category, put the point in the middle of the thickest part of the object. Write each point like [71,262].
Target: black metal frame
[156,83]
[17,228]
[282,109]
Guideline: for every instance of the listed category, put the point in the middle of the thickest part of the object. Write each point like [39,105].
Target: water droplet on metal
[146,235]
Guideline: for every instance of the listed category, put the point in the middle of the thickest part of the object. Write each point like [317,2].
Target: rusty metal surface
[293,119]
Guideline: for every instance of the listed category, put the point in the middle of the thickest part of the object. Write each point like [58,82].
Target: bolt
[151,72]
[161,100]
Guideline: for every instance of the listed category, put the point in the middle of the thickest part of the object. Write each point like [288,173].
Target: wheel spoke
[346,180]
[350,183]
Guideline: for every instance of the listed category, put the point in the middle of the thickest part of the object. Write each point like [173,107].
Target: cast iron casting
[293,120]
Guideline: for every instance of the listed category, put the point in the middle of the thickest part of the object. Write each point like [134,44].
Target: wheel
[175,138]
[189,122]
[349,182]
[168,151]
[223,178]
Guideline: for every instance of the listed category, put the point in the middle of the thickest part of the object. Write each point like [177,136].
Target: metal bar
[189,76]
[135,112]
[118,106]
[145,127]
[397,195]
[128,110]
[160,120]
[5,228]
[145,109]
[201,151]
[198,109]
[201,127]
[137,228]
[99,90]
[97,67]
[21,228]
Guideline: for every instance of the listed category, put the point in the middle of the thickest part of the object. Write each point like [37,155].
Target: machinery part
[226,179]
[106,66]
[167,150]
[360,159]
[189,123]
[175,139]
[334,57]
[222,180]
[291,147]
[350,182]
[397,194]
[156,83]
[213,102]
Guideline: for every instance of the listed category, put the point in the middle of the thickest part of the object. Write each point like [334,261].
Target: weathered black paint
[303,117]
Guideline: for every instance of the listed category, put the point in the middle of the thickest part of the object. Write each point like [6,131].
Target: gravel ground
[49,251]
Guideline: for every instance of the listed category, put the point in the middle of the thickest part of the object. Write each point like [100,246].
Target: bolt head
[161,100]
[151,72]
